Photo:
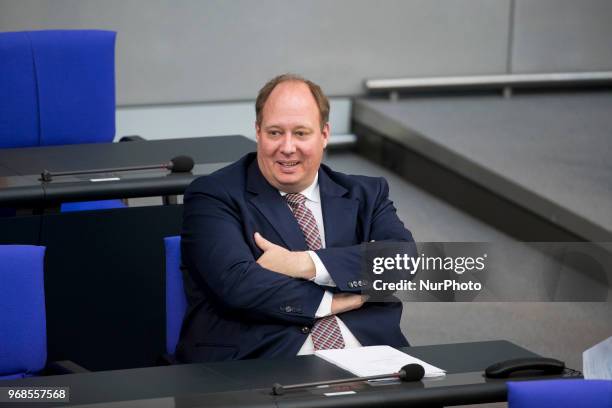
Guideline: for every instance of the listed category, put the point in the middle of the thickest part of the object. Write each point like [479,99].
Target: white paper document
[374,360]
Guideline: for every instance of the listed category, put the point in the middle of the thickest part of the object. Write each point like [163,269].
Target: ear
[325,132]
[257,132]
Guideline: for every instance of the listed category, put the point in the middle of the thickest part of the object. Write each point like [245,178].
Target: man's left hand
[296,264]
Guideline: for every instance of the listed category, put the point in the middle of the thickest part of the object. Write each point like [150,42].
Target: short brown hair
[317,93]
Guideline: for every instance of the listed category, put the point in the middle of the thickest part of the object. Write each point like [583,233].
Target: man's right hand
[343,302]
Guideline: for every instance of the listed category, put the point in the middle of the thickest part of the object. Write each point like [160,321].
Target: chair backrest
[19,123]
[58,87]
[560,393]
[176,301]
[23,338]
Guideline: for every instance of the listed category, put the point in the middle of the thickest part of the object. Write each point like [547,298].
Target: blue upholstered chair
[23,323]
[23,339]
[176,302]
[58,87]
[560,394]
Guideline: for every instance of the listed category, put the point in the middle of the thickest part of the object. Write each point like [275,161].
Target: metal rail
[489,81]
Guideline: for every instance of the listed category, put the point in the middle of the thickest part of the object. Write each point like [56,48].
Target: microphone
[178,164]
[409,372]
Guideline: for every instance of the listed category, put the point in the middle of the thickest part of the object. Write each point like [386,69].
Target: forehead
[289,101]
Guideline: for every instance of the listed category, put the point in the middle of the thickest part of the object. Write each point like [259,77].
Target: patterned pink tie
[325,332]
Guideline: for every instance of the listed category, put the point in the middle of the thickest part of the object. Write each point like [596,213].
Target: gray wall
[219,50]
[562,35]
[194,50]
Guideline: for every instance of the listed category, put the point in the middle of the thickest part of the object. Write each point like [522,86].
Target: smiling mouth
[288,164]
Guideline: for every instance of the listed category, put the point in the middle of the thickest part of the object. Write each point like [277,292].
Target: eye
[302,133]
[274,133]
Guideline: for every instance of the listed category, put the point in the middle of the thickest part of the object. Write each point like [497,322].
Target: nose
[288,145]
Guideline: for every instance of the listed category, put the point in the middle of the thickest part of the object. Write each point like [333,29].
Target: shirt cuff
[325,305]
[322,276]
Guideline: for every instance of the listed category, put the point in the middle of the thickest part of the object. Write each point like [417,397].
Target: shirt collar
[311,192]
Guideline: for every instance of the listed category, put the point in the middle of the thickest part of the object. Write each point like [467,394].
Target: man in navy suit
[272,244]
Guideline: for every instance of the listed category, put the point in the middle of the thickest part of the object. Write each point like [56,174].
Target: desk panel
[482,354]
[33,160]
[20,169]
[24,230]
[18,191]
[248,383]
[105,284]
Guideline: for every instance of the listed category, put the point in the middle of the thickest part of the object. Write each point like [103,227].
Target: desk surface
[20,168]
[248,383]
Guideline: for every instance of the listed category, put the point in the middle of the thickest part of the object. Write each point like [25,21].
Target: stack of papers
[374,360]
[597,361]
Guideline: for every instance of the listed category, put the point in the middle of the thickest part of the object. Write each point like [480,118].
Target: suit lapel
[273,207]
[339,212]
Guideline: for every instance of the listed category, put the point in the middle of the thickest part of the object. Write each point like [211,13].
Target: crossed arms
[276,286]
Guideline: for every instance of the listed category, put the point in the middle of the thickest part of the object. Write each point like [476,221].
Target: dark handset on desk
[506,368]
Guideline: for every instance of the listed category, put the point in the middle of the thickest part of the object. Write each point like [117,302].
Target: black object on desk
[247,383]
[178,164]
[507,368]
[409,372]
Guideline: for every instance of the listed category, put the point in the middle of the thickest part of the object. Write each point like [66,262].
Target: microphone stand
[410,372]
[46,175]
[278,389]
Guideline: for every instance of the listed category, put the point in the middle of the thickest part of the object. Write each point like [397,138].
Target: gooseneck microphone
[409,372]
[178,164]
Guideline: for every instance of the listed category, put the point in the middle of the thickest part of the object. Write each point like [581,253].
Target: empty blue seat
[23,338]
[176,301]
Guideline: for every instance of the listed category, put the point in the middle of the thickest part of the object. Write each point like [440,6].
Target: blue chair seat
[23,335]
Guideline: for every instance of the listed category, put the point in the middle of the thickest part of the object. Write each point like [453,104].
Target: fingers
[262,243]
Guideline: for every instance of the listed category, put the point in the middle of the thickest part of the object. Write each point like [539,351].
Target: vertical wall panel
[562,36]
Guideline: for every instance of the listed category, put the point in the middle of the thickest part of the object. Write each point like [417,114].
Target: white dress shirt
[322,276]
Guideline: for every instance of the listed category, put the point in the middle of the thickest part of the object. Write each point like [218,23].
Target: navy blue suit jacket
[238,309]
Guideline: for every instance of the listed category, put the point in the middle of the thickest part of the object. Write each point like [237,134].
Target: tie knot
[295,199]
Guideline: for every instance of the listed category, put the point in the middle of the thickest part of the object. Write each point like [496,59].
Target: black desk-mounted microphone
[178,164]
[409,372]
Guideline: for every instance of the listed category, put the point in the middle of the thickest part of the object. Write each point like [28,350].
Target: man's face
[290,141]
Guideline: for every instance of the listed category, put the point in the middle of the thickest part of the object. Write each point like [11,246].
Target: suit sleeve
[345,264]
[217,256]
